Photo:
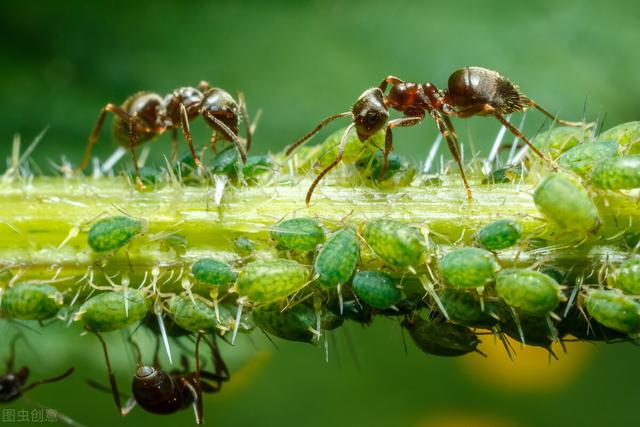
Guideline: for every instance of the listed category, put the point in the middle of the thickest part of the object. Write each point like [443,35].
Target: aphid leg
[343,144]
[198,400]
[232,136]
[449,134]
[174,145]
[388,138]
[530,103]
[93,138]
[112,377]
[49,380]
[186,131]
[213,141]
[242,104]
[389,79]
[133,143]
[237,321]
[315,130]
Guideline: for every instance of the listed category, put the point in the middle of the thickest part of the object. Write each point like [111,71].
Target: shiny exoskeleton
[14,384]
[160,392]
[145,115]
[471,91]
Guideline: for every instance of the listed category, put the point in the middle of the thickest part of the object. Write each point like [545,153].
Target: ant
[145,115]
[471,91]
[12,384]
[163,393]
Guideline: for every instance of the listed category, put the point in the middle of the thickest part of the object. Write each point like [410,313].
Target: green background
[60,62]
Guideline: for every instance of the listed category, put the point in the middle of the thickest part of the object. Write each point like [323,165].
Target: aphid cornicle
[302,234]
[145,115]
[337,259]
[471,91]
[31,301]
[397,244]
[468,267]
[376,288]
[528,290]
[109,234]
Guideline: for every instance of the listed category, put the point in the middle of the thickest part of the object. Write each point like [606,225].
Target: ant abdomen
[471,87]
[157,392]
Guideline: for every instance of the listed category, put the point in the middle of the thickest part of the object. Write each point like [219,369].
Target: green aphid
[376,288]
[631,239]
[468,267]
[560,139]
[109,234]
[271,280]
[398,244]
[528,290]
[149,176]
[565,202]
[441,338]
[504,175]
[256,165]
[31,301]
[213,272]
[582,158]
[302,234]
[627,278]
[627,135]
[614,310]
[464,308]
[354,150]
[618,173]
[193,317]
[400,172]
[244,246]
[536,330]
[294,324]
[176,242]
[226,161]
[499,234]
[109,311]
[337,259]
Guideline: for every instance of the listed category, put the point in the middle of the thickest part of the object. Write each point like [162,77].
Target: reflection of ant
[471,91]
[146,115]
[12,384]
[159,392]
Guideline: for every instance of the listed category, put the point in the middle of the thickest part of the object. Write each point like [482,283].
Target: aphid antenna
[15,278]
[73,233]
[428,287]
[514,143]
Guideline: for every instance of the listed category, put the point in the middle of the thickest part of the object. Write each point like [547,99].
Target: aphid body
[337,259]
[31,301]
[468,267]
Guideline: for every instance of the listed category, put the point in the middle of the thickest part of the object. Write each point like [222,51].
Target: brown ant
[471,91]
[12,384]
[163,393]
[145,115]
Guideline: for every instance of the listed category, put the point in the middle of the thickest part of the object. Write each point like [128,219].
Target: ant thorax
[172,104]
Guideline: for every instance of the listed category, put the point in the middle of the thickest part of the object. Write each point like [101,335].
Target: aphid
[557,140]
[468,267]
[193,315]
[631,240]
[348,307]
[376,288]
[614,310]
[149,176]
[226,162]
[504,175]
[213,272]
[337,259]
[564,201]
[617,173]
[400,172]
[109,234]
[294,324]
[244,246]
[500,234]
[582,158]
[627,278]
[397,244]
[627,135]
[440,338]
[159,392]
[302,234]
[13,384]
[579,325]
[31,301]
[271,280]
[145,115]
[530,329]
[112,310]
[465,308]
[471,91]
[528,290]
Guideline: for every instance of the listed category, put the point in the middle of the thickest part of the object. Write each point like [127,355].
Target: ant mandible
[471,91]
[12,384]
[145,115]
[163,393]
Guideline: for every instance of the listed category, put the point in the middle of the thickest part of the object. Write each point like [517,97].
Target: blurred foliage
[300,61]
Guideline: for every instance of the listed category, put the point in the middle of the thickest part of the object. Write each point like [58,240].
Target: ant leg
[133,143]
[388,138]
[519,135]
[49,380]
[245,118]
[174,145]
[531,103]
[198,407]
[315,130]
[93,138]
[343,144]
[222,372]
[449,134]
[186,131]
[112,377]
[12,353]
[389,79]
[229,134]
[136,349]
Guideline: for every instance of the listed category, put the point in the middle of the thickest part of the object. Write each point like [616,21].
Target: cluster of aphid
[318,275]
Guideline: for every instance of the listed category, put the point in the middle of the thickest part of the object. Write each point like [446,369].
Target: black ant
[471,91]
[163,393]
[145,115]
[13,384]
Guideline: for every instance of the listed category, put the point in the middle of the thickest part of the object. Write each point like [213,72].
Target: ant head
[218,105]
[190,97]
[369,113]
[10,385]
